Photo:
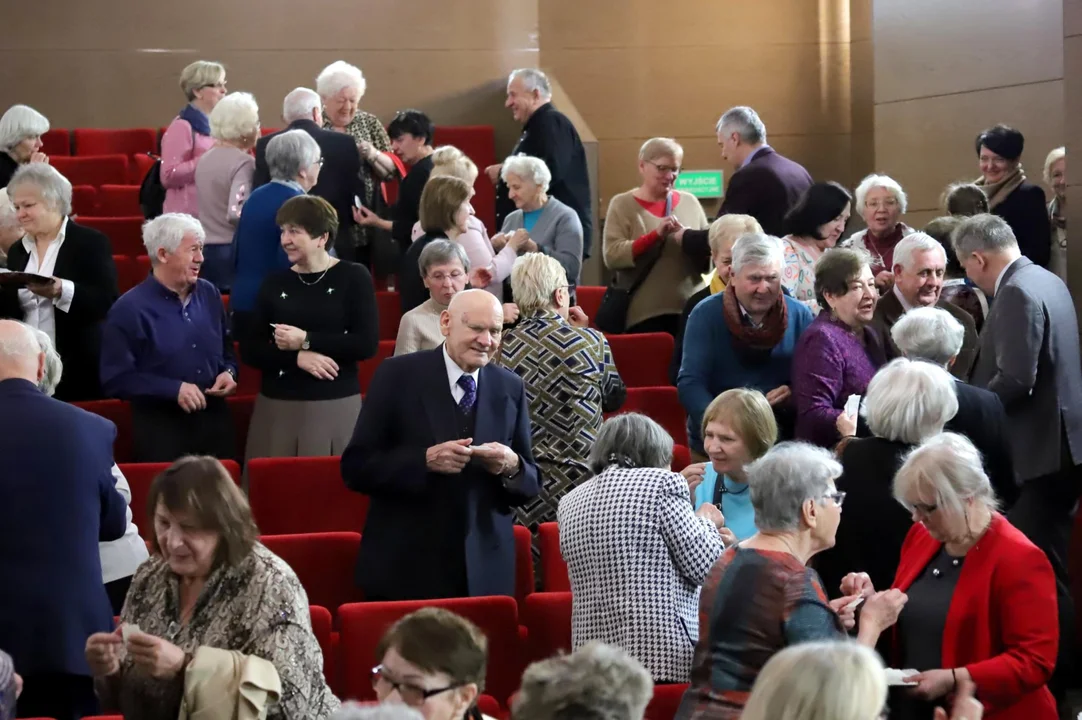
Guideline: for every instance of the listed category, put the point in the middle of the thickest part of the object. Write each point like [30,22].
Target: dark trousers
[162,432]
[117,590]
[661,323]
[57,695]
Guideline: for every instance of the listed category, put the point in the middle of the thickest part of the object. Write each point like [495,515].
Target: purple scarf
[196,118]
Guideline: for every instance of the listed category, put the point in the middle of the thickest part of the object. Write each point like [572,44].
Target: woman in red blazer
[997,626]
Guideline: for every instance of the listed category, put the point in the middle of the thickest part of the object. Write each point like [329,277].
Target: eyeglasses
[925,509]
[440,277]
[837,497]
[411,695]
[320,161]
[218,86]
[674,169]
[889,204]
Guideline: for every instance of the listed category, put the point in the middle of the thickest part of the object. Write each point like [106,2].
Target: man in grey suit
[1029,356]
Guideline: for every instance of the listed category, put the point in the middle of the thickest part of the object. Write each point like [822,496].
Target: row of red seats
[60,142]
[98,170]
[109,201]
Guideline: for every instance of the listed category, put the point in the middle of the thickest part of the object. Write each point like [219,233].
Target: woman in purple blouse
[838,354]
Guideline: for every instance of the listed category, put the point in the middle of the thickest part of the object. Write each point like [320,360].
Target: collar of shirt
[454,372]
[50,253]
[169,294]
[747,318]
[995,290]
[901,298]
[290,183]
[751,157]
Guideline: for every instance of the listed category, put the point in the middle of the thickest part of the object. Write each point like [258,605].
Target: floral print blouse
[257,607]
[365,126]
[798,272]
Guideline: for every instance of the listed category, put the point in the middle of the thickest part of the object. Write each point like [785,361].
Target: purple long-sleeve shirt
[829,365]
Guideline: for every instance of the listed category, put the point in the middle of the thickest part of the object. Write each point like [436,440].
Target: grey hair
[299,104]
[790,474]
[338,76]
[167,232]
[886,182]
[982,233]
[290,152]
[949,467]
[19,123]
[533,79]
[535,278]
[7,211]
[930,334]
[631,440]
[596,682]
[1055,156]
[20,344]
[441,252]
[909,401]
[745,122]
[235,117]
[356,711]
[759,250]
[914,243]
[529,168]
[54,366]
[54,188]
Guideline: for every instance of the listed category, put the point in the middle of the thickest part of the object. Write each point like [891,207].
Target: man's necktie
[469,398]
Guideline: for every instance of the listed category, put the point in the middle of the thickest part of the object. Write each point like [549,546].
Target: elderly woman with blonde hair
[641,245]
[21,128]
[1055,177]
[223,179]
[189,135]
[881,201]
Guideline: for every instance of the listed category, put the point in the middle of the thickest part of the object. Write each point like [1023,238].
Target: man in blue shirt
[167,348]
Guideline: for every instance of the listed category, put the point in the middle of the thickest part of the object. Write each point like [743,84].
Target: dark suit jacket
[889,309]
[57,500]
[1029,356]
[85,258]
[1026,211]
[981,418]
[339,178]
[425,530]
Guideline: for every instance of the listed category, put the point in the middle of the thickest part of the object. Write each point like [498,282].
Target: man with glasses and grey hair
[547,134]
[764,184]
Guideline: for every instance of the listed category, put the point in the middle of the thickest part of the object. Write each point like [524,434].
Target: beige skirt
[301,428]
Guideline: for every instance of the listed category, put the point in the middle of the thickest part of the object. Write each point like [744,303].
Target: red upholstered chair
[140,476]
[241,407]
[681,457]
[642,359]
[662,404]
[143,262]
[125,233]
[119,411]
[96,170]
[367,368]
[139,166]
[547,616]
[1074,562]
[249,378]
[524,580]
[103,717]
[479,144]
[56,143]
[84,200]
[127,272]
[589,299]
[268,130]
[390,313]
[126,141]
[225,301]
[303,495]
[324,563]
[554,576]
[490,706]
[118,201]
[363,624]
[666,701]
[323,629]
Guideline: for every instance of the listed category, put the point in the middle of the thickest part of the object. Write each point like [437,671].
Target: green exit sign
[701,183]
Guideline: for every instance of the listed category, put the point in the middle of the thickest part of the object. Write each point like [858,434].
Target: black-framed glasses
[675,169]
[838,497]
[412,695]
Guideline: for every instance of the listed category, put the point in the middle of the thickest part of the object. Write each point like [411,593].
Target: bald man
[57,501]
[442,448]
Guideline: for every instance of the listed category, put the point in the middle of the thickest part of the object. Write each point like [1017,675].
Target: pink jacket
[179,156]
[479,251]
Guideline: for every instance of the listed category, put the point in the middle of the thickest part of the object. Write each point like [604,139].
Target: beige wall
[946,70]
[1072,90]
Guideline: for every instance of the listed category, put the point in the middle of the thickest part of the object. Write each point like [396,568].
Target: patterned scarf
[766,336]
[998,192]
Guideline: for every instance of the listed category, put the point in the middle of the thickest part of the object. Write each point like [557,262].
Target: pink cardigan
[179,156]
[479,251]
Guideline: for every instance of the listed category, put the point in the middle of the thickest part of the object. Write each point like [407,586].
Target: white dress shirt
[454,372]
[995,290]
[120,558]
[39,312]
[901,298]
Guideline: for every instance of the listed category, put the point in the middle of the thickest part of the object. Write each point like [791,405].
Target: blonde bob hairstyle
[535,277]
[200,74]
[945,471]
[726,229]
[452,162]
[909,401]
[749,415]
[440,200]
[659,147]
[819,681]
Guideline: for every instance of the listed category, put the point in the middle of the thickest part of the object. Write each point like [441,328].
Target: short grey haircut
[54,188]
[356,711]
[631,440]
[535,278]
[874,181]
[982,233]
[914,243]
[930,334]
[19,123]
[909,401]
[235,117]
[596,682]
[299,104]
[167,232]
[757,249]
[338,76]
[529,168]
[441,252]
[780,482]
[947,467]
[290,152]
[54,366]
[533,79]
[22,343]
[745,122]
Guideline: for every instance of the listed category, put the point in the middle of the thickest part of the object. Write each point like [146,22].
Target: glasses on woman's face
[412,695]
[666,169]
[924,508]
[837,497]
[216,86]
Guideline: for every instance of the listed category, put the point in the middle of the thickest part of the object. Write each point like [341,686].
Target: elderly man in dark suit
[442,448]
[57,501]
[766,185]
[920,264]
[1029,355]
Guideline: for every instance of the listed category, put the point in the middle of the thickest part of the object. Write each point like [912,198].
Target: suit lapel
[436,397]
[892,308]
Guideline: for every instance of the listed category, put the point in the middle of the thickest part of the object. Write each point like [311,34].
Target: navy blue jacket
[57,500]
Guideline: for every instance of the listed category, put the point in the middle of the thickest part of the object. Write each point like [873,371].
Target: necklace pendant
[935,572]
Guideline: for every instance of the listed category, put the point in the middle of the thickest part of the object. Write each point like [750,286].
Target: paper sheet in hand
[894,677]
[853,605]
[852,406]
[127,630]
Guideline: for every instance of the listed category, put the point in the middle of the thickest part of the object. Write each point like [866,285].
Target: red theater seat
[681,457]
[127,141]
[84,201]
[303,495]
[323,629]
[119,412]
[127,272]
[666,701]
[249,379]
[268,131]
[479,144]
[642,359]
[524,579]
[547,615]
[324,563]
[390,313]
[139,167]
[241,409]
[367,368]
[56,143]
[118,201]
[553,568]
[140,476]
[125,233]
[662,405]
[589,299]
[96,170]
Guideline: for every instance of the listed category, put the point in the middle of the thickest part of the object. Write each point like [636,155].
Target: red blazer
[1001,625]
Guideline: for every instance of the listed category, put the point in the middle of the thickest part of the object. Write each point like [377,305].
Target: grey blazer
[558,233]
[1029,356]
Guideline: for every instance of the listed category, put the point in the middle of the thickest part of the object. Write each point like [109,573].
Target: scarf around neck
[764,337]
[196,118]
[998,192]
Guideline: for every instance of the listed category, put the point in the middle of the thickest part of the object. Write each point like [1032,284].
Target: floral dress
[798,272]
